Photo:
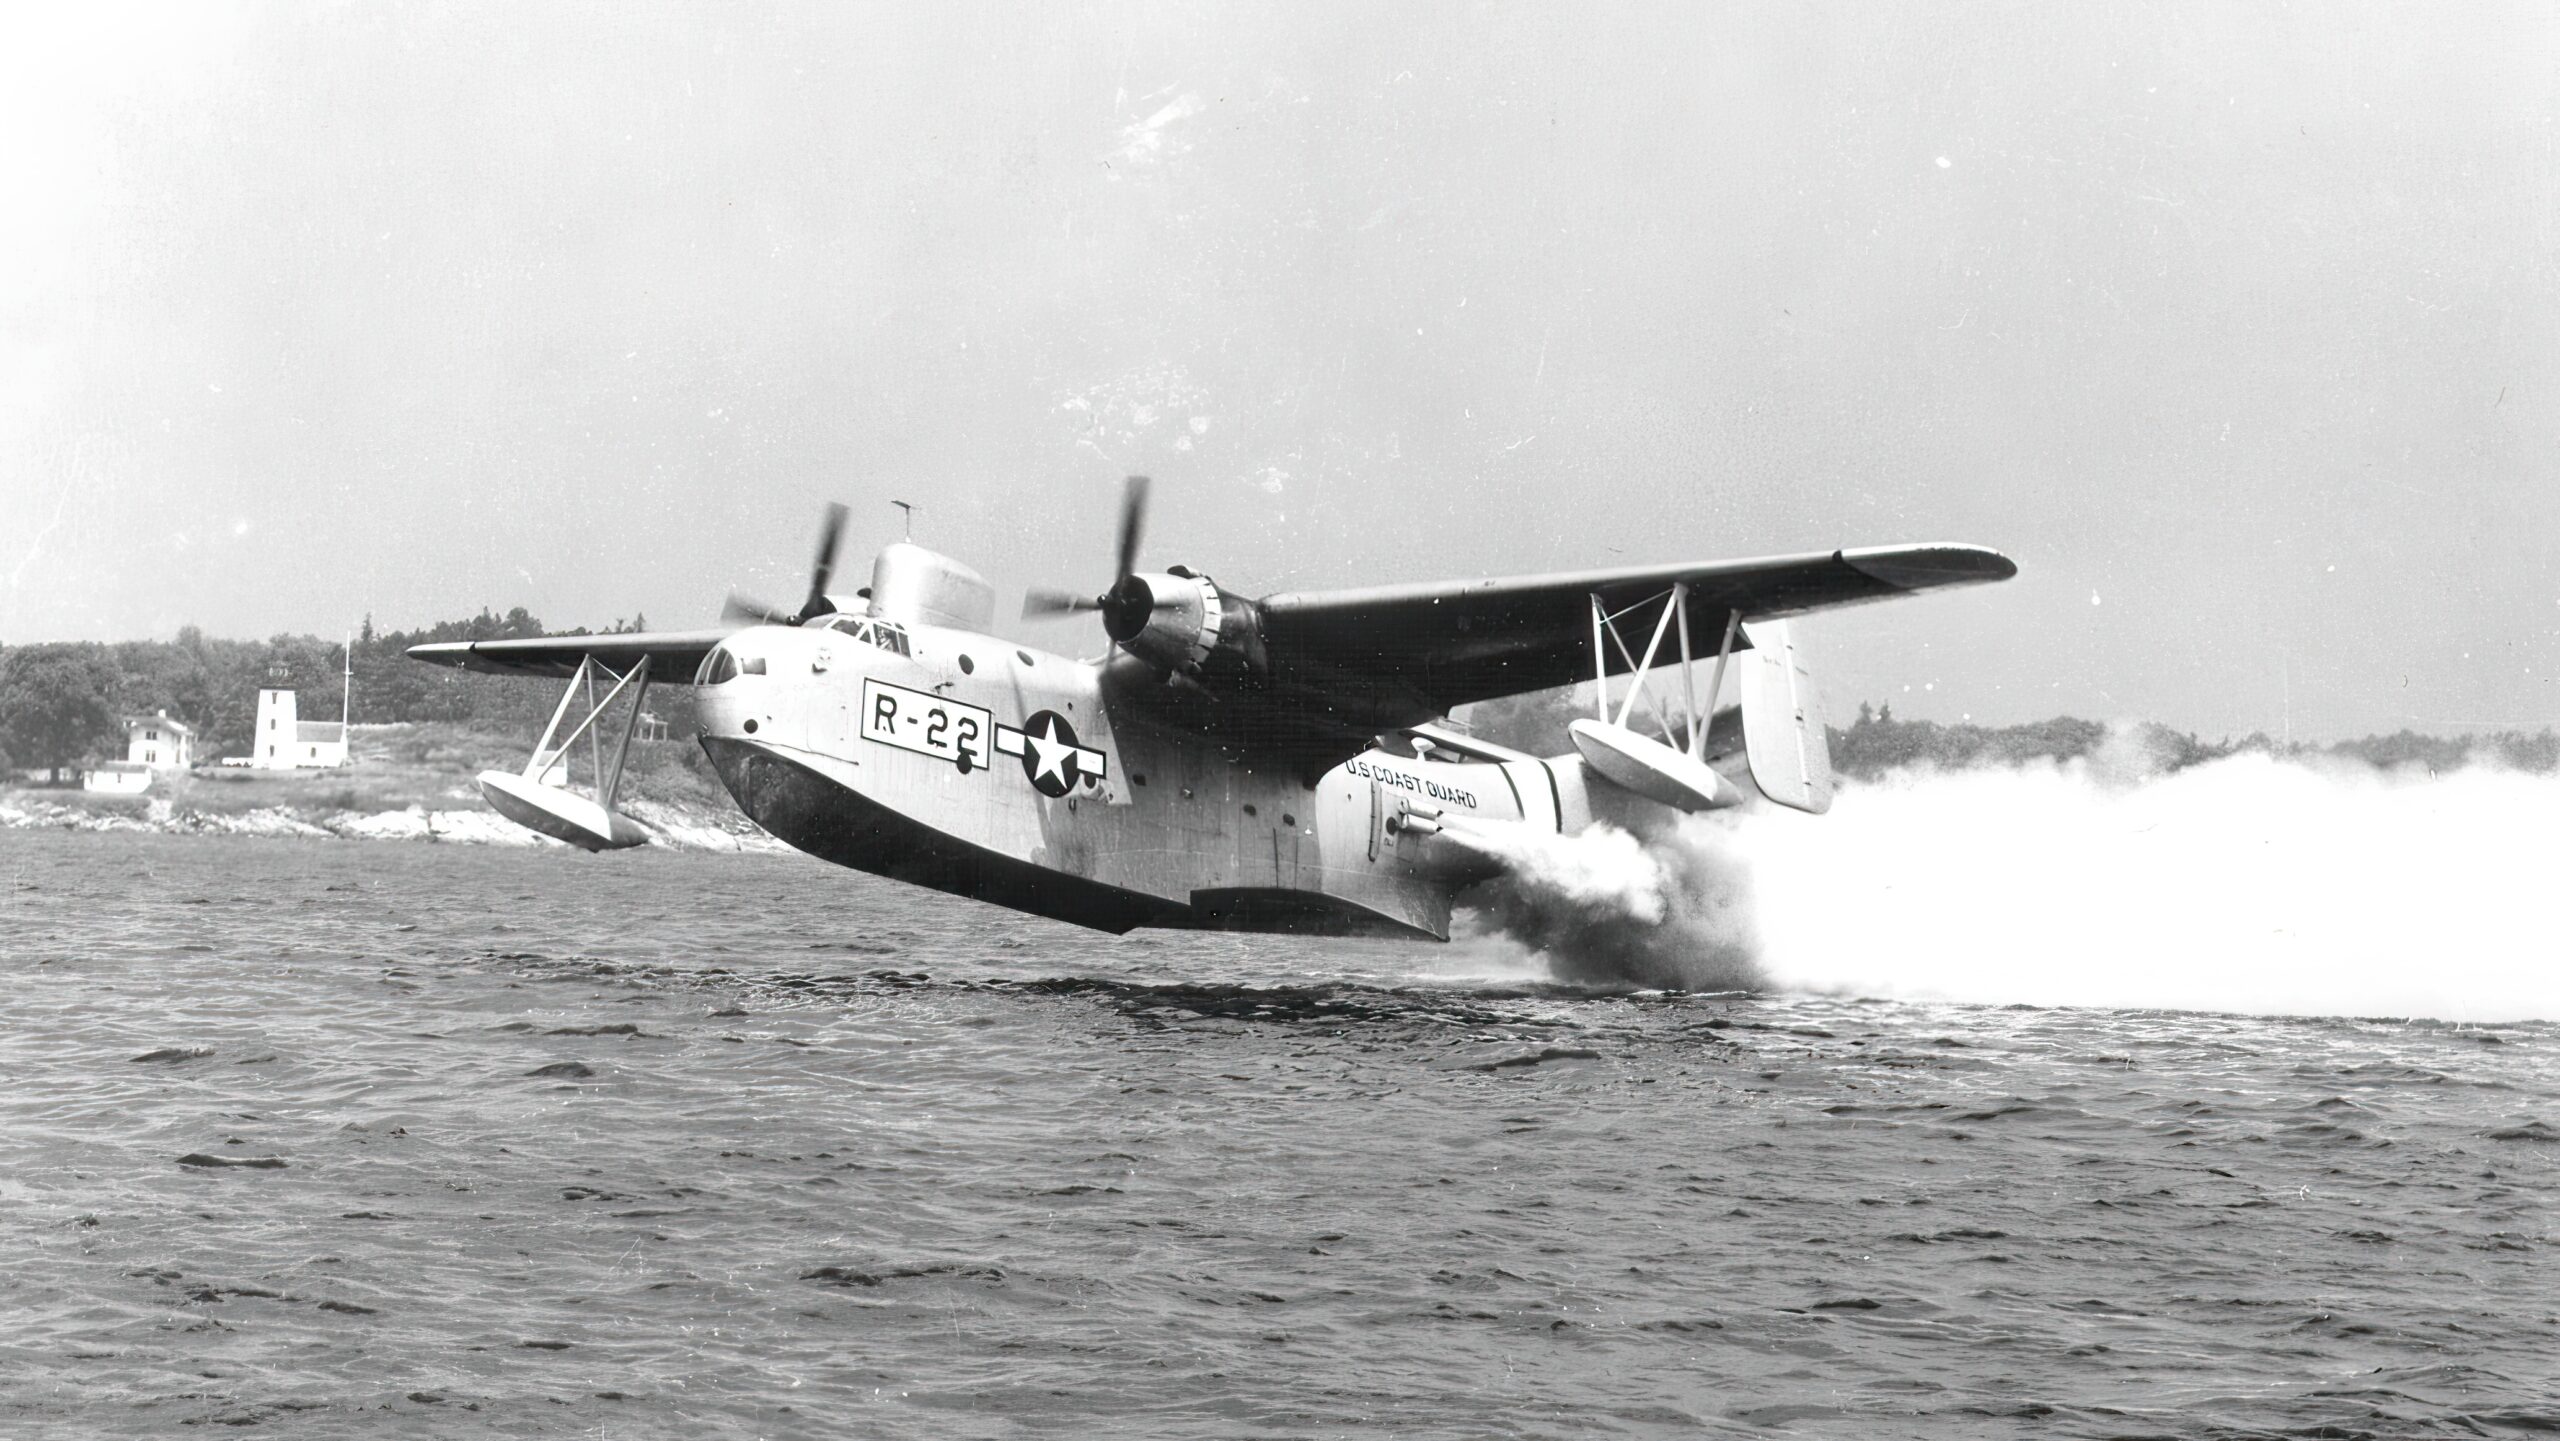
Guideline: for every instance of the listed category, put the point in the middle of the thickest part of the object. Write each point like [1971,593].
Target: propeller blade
[1133,523]
[824,569]
[1042,603]
[747,610]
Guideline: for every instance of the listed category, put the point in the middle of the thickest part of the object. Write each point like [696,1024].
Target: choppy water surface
[343,1139]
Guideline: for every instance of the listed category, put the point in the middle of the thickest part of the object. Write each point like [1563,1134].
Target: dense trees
[56,702]
[1877,742]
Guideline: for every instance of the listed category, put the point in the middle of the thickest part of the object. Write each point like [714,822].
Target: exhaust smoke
[1668,909]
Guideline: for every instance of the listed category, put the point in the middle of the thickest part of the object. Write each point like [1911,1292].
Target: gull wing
[1417,651]
[673,655]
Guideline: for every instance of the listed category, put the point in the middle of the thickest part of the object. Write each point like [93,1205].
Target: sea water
[401,1139]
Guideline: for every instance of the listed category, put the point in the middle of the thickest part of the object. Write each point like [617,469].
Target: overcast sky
[2234,325]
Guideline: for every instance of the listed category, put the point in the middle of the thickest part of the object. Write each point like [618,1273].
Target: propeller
[1042,602]
[747,609]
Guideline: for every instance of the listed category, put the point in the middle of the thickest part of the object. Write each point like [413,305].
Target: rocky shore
[409,783]
[677,826]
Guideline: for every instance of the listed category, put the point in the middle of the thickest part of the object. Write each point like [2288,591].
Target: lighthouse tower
[274,746]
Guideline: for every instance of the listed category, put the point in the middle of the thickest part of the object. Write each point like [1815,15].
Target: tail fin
[1782,726]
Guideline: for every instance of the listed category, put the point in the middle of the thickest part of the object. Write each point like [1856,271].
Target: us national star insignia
[1052,760]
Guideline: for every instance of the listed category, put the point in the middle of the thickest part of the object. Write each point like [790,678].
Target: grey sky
[2235,325]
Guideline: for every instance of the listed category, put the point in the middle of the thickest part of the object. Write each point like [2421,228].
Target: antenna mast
[910,512]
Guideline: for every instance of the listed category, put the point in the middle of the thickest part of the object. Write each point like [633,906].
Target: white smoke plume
[2251,884]
[2306,886]
[1668,910]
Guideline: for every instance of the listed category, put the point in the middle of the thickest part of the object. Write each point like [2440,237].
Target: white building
[159,742]
[284,742]
[120,778]
[152,743]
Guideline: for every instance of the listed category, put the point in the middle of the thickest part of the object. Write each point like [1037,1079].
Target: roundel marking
[1049,757]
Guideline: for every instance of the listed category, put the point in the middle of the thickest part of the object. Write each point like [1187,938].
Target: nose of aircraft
[735,693]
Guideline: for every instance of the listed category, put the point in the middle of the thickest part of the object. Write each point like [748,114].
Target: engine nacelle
[1181,622]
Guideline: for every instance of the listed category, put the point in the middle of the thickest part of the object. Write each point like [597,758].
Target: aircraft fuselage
[964,762]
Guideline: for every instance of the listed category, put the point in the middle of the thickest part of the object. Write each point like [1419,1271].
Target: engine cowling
[1179,621]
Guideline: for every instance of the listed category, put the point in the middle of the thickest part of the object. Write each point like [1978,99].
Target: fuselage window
[717,667]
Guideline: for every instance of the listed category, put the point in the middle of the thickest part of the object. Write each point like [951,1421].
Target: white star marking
[1049,754]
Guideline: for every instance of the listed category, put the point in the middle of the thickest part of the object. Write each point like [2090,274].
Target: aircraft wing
[1436,646]
[673,655]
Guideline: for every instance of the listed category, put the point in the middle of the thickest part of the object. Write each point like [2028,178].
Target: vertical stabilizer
[1782,726]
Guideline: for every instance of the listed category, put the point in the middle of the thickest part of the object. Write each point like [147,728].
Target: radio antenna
[910,517]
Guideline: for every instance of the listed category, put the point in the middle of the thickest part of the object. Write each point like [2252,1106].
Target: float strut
[1715,689]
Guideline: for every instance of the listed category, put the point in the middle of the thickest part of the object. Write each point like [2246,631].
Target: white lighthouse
[285,742]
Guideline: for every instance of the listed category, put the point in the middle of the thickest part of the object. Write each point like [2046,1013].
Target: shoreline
[407,781]
[672,826]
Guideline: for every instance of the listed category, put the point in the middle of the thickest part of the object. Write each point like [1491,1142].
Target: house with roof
[152,744]
[159,742]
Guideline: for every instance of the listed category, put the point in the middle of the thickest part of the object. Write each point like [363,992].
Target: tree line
[61,703]
[1877,741]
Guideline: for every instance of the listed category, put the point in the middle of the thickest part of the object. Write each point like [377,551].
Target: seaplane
[1287,763]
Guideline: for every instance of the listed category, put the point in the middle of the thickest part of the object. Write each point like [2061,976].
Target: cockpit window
[717,667]
[888,635]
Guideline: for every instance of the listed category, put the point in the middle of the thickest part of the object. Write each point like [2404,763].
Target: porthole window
[1249,810]
[1287,819]
[1025,657]
[968,666]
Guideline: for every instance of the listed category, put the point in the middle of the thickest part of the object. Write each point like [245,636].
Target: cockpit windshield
[724,665]
[886,634]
